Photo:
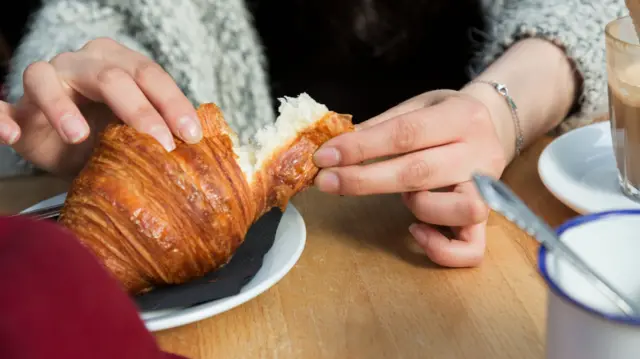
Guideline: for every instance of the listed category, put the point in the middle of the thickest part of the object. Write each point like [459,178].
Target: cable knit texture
[211,48]
[575,25]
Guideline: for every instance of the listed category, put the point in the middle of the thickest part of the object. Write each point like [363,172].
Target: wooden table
[361,290]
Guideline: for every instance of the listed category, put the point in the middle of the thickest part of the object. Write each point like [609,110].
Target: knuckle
[358,154]
[34,70]
[418,204]
[354,183]
[145,118]
[61,58]
[404,134]
[99,44]
[146,71]
[146,114]
[110,74]
[32,75]
[475,210]
[415,176]
[58,103]
[478,114]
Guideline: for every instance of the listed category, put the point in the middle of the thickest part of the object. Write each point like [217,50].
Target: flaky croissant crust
[155,217]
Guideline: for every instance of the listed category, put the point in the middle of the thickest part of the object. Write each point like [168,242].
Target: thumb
[9,129]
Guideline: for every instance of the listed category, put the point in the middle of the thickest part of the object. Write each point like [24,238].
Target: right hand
[70,99]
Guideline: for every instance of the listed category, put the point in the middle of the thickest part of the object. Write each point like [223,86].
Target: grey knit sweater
[212,50]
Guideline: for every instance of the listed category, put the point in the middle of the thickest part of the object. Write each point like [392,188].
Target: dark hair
[379,28]
[382,28]
[372,52]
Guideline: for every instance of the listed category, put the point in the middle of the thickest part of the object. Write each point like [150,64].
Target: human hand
[432,144]
[70,99]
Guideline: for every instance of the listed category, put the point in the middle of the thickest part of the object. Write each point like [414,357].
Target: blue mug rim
[542,265]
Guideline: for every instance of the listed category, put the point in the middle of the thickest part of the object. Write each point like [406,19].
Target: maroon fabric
[57,301]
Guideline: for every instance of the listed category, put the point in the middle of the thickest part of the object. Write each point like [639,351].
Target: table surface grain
[362,290]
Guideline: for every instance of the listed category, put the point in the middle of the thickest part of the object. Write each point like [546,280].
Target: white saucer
[283,255]
[579,169]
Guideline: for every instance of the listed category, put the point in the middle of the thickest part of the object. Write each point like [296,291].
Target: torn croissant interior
[156,218]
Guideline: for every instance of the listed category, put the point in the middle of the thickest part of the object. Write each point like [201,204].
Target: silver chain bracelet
[504,92]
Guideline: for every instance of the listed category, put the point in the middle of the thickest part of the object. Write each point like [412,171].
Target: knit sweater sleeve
[576,26]
[59,26]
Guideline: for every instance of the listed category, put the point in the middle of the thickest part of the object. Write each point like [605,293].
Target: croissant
[156,218]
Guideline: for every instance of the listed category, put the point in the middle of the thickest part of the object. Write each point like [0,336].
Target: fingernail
[326,157]
[413,229]
[190,129]
[74,128]
[418,235]
[162,135]
[8,135]
[327,181]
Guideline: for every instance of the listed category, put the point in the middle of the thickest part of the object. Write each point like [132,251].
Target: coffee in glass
[623,70]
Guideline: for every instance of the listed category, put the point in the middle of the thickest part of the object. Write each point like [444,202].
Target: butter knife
[42,213]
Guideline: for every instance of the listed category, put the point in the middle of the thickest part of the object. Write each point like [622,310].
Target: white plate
[283,255]
[579,169]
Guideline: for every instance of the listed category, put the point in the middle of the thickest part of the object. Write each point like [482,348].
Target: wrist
[541,81]
[500,114]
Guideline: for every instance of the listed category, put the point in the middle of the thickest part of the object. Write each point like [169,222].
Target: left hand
[433,143]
